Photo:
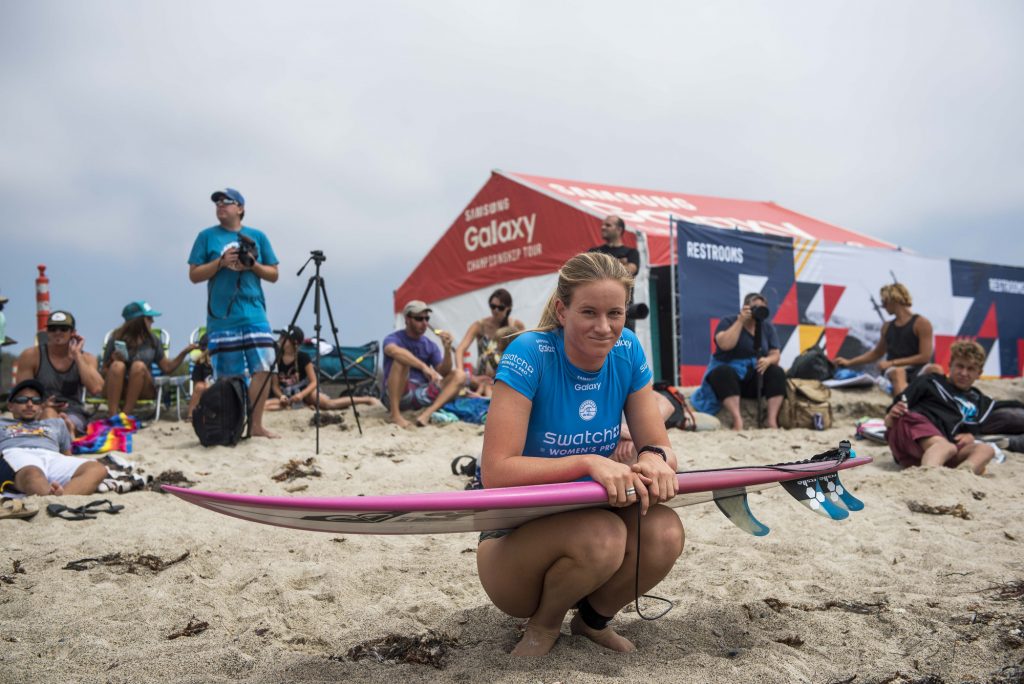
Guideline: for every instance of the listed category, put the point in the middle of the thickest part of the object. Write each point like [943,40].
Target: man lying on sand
[38,449]
[933,422]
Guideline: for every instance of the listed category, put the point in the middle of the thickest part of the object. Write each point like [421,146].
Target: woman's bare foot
[401,422]
[264,432]
[56,489]
[536,641]
[606,637]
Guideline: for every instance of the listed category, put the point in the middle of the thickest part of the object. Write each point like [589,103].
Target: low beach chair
[359,363]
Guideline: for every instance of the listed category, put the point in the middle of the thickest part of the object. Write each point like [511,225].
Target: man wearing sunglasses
[63,368]
[38,449]
[233,260]
[417,374]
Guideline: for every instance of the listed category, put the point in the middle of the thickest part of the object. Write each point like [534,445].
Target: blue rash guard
[574,411]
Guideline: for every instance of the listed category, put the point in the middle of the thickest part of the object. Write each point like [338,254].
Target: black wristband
[654,450]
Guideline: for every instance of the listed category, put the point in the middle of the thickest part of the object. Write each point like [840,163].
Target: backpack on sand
[806,405]
[813,364]
[222,414]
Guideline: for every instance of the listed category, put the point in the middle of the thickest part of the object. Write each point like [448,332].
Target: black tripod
[316,283]
[758,352]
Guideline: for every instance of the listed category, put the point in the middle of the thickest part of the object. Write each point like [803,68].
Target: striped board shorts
[242,351]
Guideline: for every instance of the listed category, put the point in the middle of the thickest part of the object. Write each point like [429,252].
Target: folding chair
[359,363]
[160,380]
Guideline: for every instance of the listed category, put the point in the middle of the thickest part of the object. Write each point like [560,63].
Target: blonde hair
[897,293]
[503,337]
[967,351]
[582,269]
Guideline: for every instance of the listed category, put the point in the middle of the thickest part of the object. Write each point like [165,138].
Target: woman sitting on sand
[295,384]
[906,341]
[737,363]
[128,359]
[485,332]
[559,394]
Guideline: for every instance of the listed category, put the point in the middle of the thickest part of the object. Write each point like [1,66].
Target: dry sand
[887,591]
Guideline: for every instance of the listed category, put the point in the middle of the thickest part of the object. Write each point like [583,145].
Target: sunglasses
[421,319]
[498,307]
[225,202]
[24,400]
[57,328]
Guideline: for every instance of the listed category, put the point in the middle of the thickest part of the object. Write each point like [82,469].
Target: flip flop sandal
[95,507]
[16,508]
[464,465]
[67,513]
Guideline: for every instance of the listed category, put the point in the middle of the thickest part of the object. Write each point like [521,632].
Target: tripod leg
[344,369]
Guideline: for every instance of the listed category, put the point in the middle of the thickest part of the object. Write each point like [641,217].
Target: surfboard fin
[808,492]
[838,494]
[736,508]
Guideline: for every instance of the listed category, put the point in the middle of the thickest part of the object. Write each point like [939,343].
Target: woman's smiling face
[593,321]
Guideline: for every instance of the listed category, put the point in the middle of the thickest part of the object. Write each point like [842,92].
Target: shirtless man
[63,368]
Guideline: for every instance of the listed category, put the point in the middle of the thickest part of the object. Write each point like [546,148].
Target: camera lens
[760,313]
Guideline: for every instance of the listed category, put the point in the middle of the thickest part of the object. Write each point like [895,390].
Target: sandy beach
[888,595]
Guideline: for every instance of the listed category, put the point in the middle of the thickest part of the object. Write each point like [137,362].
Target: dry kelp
[193,628]
[295,469]
[858,607]
[171,477]
[957,511]
[130,562]
[430,648]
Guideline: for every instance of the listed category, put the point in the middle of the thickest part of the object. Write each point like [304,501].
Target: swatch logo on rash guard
[588,409]
[517,364]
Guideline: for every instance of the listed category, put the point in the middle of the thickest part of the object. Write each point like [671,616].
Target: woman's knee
[138,369]
[116,368]
[600,541]
[663,531]
[774,381]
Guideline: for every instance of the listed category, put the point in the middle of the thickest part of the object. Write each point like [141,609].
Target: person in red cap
[64,368]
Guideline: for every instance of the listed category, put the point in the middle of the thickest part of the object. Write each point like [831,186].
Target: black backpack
[222,414]
[812,365]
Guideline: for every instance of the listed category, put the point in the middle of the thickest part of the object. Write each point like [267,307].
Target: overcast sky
[364,129]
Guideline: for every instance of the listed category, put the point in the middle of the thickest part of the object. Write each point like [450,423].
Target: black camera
[760,312]
[246,251]
[638,311]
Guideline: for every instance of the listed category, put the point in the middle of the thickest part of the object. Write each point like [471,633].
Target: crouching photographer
[745,363]
[233,260]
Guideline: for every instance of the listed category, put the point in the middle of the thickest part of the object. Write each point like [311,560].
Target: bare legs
[450,387]
[939,451]
[732,405]
[259,389]
[542,569]
[139,386]
[32,481]
[398,381]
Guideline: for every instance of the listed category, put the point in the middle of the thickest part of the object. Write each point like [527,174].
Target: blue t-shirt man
[235,298]
[574,411]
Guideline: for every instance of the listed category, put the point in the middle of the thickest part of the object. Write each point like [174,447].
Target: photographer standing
[233,259]
[737,362]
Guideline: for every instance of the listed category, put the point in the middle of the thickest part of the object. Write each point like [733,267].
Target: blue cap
[138,310]
[230,193]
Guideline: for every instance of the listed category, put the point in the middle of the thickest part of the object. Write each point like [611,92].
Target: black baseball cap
[31,383]
[60,319]
[293,333]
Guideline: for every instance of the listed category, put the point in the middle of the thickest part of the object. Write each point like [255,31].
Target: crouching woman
[559,394]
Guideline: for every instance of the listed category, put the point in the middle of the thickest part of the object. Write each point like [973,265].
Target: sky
[364,129]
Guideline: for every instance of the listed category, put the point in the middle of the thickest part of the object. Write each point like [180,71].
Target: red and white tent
[519,229]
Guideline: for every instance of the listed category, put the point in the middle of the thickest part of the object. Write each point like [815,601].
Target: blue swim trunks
[242,351]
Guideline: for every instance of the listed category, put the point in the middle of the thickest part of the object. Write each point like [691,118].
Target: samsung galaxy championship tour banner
[826,294]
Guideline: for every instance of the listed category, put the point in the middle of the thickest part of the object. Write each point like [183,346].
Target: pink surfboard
[815,483]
